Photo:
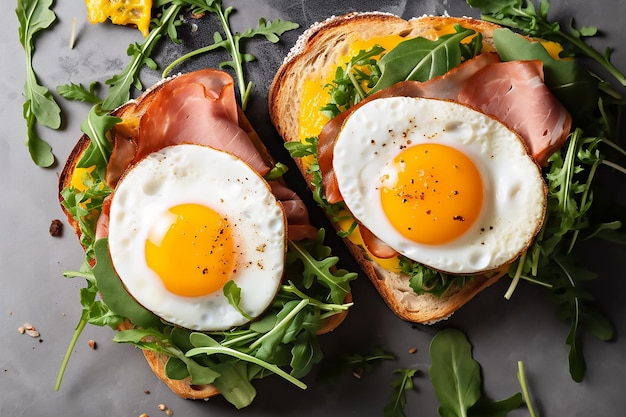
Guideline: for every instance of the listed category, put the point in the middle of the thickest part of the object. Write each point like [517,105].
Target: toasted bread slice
[312,58]
[135,109]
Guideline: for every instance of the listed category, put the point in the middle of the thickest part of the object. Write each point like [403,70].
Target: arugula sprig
[39,105]
[400,386]
[456,379]
[230,41]
[525,16]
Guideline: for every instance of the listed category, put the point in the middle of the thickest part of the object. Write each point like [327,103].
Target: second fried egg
[439,182]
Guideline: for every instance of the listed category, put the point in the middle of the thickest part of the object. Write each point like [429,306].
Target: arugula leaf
[421,59]
[397,401]
[425,280]
[348,86]
[233,295]
[321,267]
[455,375]
[356,363]
[79,92]
[524,16]
[121,84]
[271,30]
[97,125]
[113,292]
[39,105]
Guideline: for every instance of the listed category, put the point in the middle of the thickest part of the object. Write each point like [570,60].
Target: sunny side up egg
[187,219]
[441,183]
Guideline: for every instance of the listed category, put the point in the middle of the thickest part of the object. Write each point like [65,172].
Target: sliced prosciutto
[199,108]
[514,92]
[196,108]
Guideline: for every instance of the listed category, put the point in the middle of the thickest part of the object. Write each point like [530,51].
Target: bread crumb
[165,408]
[143,415]
[56,228]
[92,344]
[29,329]
[412,350]
[162,407]
[147,392]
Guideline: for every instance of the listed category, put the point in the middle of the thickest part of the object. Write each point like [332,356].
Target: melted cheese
[121,12]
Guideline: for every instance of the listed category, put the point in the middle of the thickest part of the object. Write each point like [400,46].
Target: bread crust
[314,54]
[136,108]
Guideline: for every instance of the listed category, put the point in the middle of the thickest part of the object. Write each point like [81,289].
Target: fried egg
[439,182]
[187,219]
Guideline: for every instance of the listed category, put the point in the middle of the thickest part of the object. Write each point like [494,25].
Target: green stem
[288,317]
[79,329]
[521,377]
[237,64]
[248,358]
[191,54]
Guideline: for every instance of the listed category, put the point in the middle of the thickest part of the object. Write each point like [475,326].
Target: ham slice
[514,92]
[197,108]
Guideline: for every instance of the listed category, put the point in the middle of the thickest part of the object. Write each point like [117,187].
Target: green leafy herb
[233,295]
[456,379]
[232,41]
[113,292]
[79,92]
[121,84]
[425,280]
[397,400]
[277,171]
[533,21]
[317,264]
[348,86]
[39,105]
[356,363]
[455,375]
[421,59]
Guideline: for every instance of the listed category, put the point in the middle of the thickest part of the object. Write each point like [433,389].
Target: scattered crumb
[56,228]
[92,344]
[194,27]
[358,373]
[165,408]
[197,15]
[147,392]
[143,415]
[412,350]
[29,329]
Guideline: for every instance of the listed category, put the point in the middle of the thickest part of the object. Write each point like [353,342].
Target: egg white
[514,191]
[197,174]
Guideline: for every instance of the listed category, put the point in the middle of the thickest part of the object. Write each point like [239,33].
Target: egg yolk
[190,248]
[432,193]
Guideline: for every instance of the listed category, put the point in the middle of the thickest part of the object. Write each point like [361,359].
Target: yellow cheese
[79,177]
[121,12]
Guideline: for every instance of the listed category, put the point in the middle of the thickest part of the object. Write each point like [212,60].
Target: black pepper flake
[205,271]
[459,218]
